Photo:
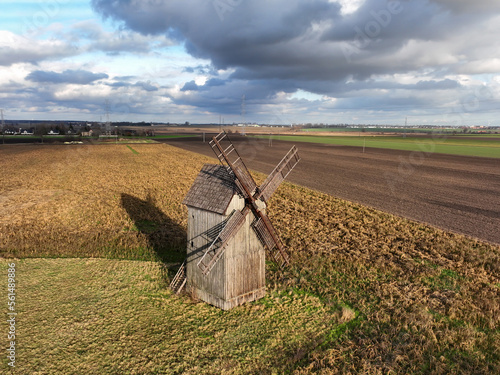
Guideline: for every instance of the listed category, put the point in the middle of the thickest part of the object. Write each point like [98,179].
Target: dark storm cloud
[293,39]
[147,86]
[290,45]
[119,84]
[190,86]
[382,26]
[200,69]
[215,82]
[468,6]
[80,77]
[250,34]
[341,89]
[144,85]
[226,98]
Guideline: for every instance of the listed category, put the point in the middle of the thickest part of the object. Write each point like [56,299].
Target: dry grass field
[94,201]
[367,292]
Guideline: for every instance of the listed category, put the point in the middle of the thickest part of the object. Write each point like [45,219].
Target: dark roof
[212,190]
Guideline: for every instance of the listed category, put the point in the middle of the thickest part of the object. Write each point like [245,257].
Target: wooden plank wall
[239,275]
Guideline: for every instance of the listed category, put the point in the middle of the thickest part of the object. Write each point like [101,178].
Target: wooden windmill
[229,231]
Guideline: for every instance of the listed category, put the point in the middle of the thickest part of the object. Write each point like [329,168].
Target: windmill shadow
[165,236]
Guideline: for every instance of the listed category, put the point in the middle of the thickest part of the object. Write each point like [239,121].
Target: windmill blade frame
[236,166]
[215,250]
[280,172]
[268,237]
[179,280]
[262,226]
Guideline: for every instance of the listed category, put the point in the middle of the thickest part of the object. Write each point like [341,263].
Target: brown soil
[456,193]
[276,130]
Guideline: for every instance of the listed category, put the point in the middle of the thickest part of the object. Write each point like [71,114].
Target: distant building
[129,132]
[87,134]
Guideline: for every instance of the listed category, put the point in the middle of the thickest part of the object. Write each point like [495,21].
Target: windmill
[229,231]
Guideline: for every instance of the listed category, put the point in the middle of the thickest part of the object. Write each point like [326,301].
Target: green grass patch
[173,136]
[446,131]
[110,316]
[373,130]
[133,151]
[445,280]
[442,145]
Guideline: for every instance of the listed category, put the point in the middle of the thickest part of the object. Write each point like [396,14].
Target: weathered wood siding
[245,262]
[199,223]
[239,275]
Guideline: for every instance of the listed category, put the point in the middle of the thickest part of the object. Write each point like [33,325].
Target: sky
[434,62]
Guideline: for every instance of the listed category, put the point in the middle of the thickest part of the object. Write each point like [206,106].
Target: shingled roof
[212,190]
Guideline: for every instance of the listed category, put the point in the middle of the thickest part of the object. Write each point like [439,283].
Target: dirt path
[456,193]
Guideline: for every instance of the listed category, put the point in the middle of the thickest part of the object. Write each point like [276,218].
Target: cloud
[352,53]
[147,86]
[249,27]
[144,85]
[467,6]
[18,49]
[215,82]
[113,43]
[340,58]
[304,40]
[190,86]
[80,77]
[200,69]
[212,82]
[446,84]
[90,36]
[119,84]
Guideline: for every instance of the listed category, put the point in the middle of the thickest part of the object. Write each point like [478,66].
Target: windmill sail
[279,173]
[229,157]
[267,236]
[231,160]
[215,250]
[179,279]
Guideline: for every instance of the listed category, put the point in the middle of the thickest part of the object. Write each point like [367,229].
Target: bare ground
[456,193]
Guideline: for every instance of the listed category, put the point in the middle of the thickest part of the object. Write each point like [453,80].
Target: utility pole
[243,109]
[3,127]
[107,128]
[41,133]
